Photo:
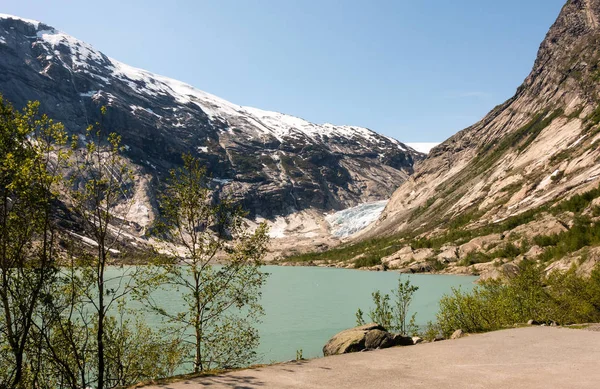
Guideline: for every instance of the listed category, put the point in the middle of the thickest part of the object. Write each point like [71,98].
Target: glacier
[349,221]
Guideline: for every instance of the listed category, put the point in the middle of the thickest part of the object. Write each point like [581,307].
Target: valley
[149,228]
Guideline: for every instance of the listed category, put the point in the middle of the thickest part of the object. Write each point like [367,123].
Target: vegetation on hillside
[584,232]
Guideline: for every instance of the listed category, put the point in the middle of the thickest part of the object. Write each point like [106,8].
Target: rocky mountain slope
[277,165]
[490,194]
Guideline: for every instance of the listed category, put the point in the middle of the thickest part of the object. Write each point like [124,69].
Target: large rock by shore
[367,337]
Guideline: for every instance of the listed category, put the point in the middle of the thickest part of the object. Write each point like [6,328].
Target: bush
[473,258]
[508,251]
[577,203]
[583,233]
[393,315]
[368,261]
[563,298]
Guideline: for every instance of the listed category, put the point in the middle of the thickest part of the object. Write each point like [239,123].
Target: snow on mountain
[350,221]
[35,23]
[85,58]
[422,147]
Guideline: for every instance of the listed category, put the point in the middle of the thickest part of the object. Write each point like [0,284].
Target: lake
[305,306]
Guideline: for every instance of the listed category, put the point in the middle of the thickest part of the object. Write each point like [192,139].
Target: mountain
[275,164]
[521,183]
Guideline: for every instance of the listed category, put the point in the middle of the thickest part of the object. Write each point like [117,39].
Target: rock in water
[366,337]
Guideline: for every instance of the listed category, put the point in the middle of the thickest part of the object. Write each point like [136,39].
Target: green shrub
[583,233]
[431,331]
[473,258]
[563,298]
[368,261]
[577,203]
[509,250]
[393,315]
[436,265]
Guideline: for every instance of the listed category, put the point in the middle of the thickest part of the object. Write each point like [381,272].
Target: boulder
[448,254]
[405,254]
[366,337]
[378,339]
[481,243]
[422,254]
[534,251]
[457,334]
[406,250]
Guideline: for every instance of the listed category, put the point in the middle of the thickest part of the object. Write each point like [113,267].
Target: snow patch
[81,53]
[35,23]
[422,147]
[203,149]
[88,94]
[277,228]
[91,242]
[546,181]
[137,107]
[578,141]
[349,221]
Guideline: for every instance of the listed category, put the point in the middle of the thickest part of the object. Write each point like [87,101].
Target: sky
[418,71]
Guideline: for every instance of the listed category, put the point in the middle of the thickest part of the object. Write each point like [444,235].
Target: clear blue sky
[417,70]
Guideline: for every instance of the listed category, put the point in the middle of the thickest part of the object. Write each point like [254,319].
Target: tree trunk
[100,333]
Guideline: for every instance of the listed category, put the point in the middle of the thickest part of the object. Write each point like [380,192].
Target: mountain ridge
[275,165]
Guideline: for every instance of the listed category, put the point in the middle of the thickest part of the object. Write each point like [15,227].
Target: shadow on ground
[241,382]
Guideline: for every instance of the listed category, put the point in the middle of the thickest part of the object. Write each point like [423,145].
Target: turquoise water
[305,306]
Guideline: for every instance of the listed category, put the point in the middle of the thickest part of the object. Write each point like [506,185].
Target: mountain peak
[82,57]
[35,23]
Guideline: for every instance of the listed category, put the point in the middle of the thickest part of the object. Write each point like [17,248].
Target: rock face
[538,148]
[275,164]
[540,145]
[368,337]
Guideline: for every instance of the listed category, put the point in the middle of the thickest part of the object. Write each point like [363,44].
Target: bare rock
[448,254]
[457,334]
[367,337]
[481,243]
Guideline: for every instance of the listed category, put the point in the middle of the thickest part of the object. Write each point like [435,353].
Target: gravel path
[529,357]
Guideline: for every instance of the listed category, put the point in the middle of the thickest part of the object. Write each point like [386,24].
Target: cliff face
[538,147]
[275,164]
